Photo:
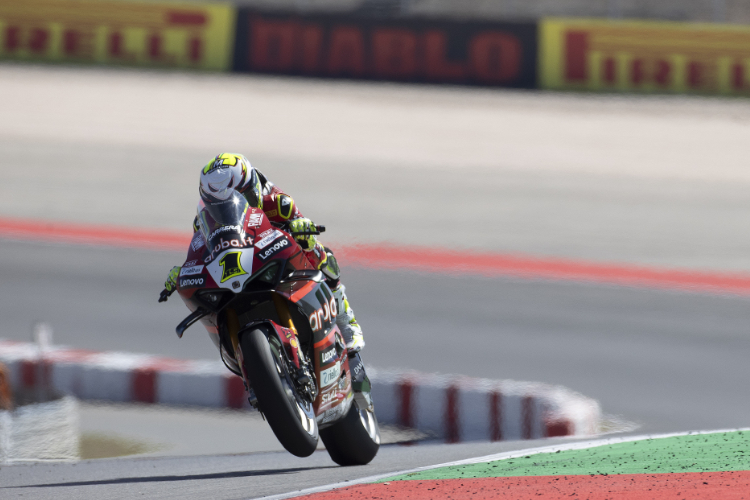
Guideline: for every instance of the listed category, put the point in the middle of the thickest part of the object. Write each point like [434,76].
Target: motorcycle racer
[229,172]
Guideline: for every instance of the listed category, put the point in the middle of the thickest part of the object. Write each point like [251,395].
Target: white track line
[491,458]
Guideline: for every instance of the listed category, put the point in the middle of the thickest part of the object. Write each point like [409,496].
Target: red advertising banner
[502,54]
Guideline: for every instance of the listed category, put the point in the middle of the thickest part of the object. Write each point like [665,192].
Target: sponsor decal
[332,414]
[325,313]
[224,229]
[422,50]
[152,34]
[277,247]
[267,240]
[255,219]
[187,271]
[358,368]
[197,282]
[330,375]
[293,342]
[328,355]
[272,213]
[190,263]
[328,397]
[225,244]
[639,56]
[197,241]
[231,267]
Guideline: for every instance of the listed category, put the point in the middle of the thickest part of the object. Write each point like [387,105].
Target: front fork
[233,328]
[282,310]
[233,324]
[303,376]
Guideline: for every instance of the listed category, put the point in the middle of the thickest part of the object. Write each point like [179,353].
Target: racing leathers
[228,171]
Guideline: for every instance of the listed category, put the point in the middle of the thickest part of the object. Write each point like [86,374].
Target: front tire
[354,440]
[291,418]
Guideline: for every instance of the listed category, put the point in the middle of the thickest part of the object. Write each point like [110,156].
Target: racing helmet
[228,173]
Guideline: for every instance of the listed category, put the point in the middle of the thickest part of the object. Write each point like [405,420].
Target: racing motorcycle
[272,317]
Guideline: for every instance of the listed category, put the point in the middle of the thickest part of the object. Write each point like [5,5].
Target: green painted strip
[725,451]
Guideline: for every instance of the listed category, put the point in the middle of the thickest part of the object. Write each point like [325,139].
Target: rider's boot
[360,382]
[352,333]
[346,321]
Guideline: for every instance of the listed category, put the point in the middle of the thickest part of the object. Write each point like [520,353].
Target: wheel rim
[304,409]
[370,423]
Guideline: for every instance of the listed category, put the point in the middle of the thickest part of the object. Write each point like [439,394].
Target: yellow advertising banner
[156,34]
[585,54]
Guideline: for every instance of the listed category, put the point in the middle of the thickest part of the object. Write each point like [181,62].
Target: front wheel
[354,440]
[291,417]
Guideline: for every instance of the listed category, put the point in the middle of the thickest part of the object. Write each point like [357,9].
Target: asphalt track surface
[655,181]
[220,477]
[668,360]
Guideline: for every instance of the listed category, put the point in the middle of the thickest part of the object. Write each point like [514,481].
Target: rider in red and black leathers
[233,172]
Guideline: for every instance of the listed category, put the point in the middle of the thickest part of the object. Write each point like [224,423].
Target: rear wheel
[355,439]
[290,416]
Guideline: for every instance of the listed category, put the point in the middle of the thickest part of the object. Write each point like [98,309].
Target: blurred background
[600,132]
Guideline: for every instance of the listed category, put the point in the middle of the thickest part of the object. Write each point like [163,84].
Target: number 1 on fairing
[230,266]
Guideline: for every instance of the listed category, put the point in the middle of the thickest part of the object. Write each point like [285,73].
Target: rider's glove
[171,283]
[306,241]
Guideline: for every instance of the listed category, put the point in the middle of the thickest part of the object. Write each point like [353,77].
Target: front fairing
[226,256]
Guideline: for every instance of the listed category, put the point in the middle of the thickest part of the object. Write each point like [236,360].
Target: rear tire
[354,440]
[291,418]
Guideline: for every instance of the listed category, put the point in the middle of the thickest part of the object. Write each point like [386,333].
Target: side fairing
[316,302]
[330,360]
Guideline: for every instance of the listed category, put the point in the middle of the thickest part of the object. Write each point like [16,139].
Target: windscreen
[229,214]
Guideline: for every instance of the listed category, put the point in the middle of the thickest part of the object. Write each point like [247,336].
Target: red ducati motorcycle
[272,317]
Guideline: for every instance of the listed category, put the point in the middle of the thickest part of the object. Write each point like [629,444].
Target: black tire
[349,442]
[287,413]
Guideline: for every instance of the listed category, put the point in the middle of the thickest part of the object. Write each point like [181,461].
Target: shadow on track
[154,479]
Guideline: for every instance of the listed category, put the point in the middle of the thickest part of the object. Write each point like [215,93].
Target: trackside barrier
[412,50]
[151,34]
[448,407]
[457,408]
[41,431]
[633,56]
